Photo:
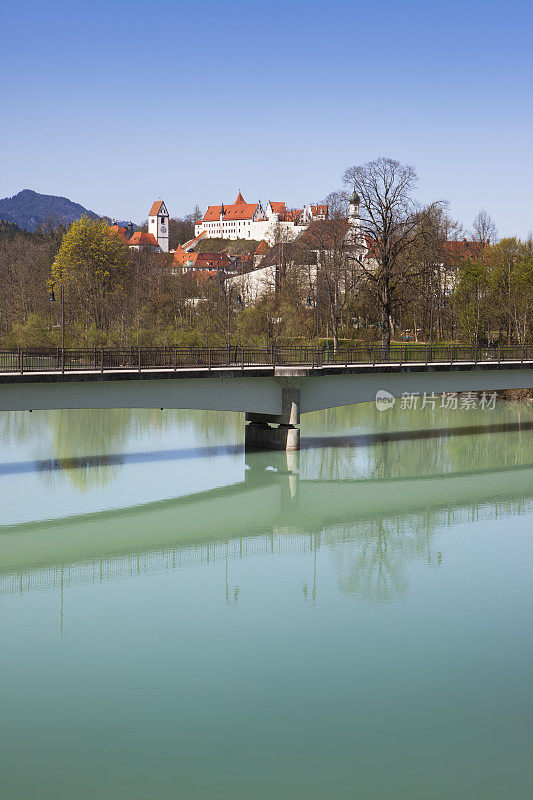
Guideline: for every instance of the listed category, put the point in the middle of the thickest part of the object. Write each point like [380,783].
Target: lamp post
[52,299]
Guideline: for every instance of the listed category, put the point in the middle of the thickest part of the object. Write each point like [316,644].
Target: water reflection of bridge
[270,512]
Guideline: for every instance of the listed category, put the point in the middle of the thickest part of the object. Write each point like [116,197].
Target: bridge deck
[254,370]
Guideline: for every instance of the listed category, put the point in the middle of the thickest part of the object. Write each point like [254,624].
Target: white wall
[253,285]
[247,229]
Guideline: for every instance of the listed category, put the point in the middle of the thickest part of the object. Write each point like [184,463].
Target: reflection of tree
[210,427]
[371,556]
[371,553]
[18,426]
[89,444]
[401,443]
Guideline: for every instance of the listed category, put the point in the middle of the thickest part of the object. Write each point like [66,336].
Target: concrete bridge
[272,395]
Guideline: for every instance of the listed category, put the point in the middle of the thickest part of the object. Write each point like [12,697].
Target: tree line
[403,273]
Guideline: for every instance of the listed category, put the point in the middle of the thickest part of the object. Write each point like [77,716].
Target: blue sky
[116,104]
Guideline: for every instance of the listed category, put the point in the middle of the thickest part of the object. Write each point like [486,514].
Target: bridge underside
[271,399]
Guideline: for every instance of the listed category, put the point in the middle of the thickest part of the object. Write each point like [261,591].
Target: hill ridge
[30,209]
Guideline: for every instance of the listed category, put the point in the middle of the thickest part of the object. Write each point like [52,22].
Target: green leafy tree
[93,264]
[510,266]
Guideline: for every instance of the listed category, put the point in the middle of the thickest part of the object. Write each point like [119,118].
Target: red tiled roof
[202,275]
[292,215]
[262,248]
[193,242]
[463,249]
[154,211]
[181,256]
[239,210]
[278,208]
[140,238]
[212,214]
[217,260]
[119,230]
[214,260]
[321,209]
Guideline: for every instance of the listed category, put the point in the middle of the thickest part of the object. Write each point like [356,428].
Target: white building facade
[255,284]
[272,222]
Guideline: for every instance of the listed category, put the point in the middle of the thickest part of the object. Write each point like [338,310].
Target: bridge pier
[276,431]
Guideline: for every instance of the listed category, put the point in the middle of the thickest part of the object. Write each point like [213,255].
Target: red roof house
[144,241]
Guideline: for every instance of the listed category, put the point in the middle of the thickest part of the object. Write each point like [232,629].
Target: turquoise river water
[179,619]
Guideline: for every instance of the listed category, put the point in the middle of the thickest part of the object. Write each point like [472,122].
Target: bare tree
[337,205]
[392,225]
[330,258]
[484,228]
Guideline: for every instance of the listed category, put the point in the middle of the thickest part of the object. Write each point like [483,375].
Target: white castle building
[243,220]
[256,283]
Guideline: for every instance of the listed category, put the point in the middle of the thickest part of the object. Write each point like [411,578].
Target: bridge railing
[143,358]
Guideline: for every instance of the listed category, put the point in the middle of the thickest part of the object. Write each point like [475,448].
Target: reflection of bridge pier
[279,468]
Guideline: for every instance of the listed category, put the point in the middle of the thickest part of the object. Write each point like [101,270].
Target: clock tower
[158,224]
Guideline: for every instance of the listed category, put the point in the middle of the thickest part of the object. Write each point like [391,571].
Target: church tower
[354,235]
[158,224]
[353,213]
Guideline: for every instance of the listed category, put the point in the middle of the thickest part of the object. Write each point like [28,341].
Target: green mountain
[29,210]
